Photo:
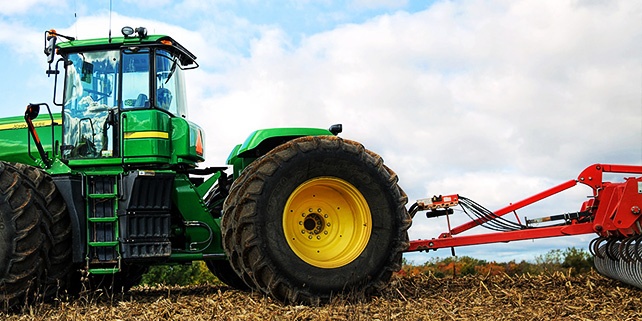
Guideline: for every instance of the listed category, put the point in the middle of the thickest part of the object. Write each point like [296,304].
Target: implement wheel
[315,217]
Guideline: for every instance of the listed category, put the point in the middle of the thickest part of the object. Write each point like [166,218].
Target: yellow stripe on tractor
[147,134]
[21,125]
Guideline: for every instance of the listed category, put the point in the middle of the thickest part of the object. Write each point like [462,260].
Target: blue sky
[495,100]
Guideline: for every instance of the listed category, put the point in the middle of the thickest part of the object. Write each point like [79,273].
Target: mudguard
[260,142]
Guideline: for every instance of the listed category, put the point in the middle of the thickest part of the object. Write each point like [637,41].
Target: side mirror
[50,45]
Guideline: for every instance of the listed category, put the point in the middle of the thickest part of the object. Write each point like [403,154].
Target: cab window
[136,87]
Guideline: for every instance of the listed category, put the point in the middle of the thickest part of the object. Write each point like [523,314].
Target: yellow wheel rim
[327,222]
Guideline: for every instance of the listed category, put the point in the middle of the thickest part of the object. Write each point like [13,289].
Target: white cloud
[499,86]
[20,39]
[25,6]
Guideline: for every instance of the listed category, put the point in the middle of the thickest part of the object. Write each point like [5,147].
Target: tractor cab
[123,99]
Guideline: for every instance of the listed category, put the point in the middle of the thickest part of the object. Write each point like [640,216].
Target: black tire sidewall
[368,179]
[23,236]
[7,236]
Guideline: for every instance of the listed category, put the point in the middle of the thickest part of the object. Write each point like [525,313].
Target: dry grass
[421,297]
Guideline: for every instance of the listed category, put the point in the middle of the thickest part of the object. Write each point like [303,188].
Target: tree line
[571,260]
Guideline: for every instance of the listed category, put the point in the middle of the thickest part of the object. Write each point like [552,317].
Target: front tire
[315,217]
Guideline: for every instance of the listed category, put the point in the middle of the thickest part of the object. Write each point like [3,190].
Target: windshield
[92,78]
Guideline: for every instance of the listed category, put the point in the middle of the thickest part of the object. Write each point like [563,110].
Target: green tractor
[93,195]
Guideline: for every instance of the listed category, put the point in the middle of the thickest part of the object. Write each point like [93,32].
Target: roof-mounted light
[129,32]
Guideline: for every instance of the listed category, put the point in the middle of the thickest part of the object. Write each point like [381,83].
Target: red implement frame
[614,210]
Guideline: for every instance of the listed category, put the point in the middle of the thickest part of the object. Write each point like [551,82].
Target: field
[553,296]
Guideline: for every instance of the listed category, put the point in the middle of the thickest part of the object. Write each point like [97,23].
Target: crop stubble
[420,297]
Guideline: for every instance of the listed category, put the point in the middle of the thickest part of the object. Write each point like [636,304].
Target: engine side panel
[15,142]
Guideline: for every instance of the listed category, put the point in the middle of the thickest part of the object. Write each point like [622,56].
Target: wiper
[171,71]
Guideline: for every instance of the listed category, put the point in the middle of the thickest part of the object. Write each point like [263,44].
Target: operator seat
[141,101]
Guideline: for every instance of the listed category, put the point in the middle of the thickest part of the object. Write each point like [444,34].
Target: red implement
[613,211]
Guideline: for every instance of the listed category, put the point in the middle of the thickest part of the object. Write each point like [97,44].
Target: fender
[262,141]
[71,189]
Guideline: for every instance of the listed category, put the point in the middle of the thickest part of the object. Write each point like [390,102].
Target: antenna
[110,4]
[76,17]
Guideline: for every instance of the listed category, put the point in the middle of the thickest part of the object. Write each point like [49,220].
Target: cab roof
[186,57]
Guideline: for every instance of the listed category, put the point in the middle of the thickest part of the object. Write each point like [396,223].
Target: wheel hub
[314,224]
[327,222]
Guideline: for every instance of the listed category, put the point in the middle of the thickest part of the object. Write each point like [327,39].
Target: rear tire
[57,276]
[315,217]
[23,236]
